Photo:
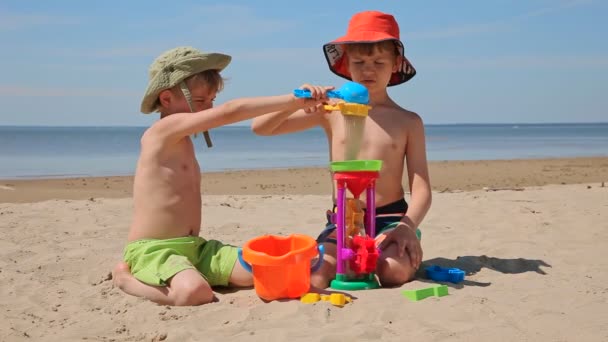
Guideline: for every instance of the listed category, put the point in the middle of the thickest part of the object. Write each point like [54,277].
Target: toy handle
[244,263]
[313,269]
[303,93]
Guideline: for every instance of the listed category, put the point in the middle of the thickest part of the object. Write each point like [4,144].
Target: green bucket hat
[172,67]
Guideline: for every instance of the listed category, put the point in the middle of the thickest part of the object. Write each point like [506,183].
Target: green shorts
[154,261]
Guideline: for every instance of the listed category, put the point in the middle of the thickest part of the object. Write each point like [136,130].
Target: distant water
[41,152]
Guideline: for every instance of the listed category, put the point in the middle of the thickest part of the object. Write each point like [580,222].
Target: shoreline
[446,176]
[43,177]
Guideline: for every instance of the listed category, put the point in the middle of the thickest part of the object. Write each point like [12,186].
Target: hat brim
[335,55]
[179,70]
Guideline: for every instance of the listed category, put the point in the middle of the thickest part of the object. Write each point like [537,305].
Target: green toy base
[343,283]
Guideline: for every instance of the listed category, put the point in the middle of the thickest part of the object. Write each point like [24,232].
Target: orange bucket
[280,265]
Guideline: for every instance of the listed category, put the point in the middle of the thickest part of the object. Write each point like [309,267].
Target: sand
[533,250]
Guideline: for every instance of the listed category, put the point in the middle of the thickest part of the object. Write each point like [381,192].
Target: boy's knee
[319,280]
[326,273]
[394,274]
[193,294]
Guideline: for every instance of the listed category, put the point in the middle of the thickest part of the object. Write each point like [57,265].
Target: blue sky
[85,63]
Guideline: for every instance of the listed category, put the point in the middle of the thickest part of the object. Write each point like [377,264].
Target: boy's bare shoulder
[406,115]
[153,135]
[151,131]
[160,128]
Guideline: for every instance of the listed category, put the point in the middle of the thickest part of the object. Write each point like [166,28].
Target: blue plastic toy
[351,92]
[438,273]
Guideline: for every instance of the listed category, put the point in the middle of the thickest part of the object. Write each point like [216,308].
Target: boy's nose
[368,67]
[368,71]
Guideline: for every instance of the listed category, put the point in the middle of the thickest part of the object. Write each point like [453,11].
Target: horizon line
[426,124]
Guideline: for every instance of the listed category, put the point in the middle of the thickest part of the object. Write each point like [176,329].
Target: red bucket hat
[368,27]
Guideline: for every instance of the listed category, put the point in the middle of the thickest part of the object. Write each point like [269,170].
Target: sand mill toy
[357,253]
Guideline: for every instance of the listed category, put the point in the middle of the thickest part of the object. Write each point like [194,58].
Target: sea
[51,152]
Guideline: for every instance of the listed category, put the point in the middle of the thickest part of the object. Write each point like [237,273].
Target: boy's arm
[289,121]
[405,233]
[418,175]
[179,125]
[286,121]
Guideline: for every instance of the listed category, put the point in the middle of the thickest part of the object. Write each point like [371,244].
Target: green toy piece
[356,165]
[420,294]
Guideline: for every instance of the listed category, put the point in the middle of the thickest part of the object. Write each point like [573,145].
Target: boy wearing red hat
[371,53]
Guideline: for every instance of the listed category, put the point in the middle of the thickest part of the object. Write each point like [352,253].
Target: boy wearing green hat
[371,53]
[165,259]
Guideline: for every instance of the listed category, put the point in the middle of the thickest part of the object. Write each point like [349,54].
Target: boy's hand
[318,93]
[405,238]
[320,109]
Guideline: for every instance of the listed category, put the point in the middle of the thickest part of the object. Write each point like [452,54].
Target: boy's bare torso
[166,191]
[384,138]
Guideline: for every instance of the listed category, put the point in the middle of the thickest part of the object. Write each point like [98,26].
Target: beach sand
[533,249]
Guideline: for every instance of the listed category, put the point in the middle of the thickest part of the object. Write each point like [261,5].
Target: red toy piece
[366,255]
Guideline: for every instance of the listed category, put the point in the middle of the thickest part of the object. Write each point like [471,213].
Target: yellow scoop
[337,299]
[348,108]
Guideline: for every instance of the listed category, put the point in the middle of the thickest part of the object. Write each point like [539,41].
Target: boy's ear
[165,98]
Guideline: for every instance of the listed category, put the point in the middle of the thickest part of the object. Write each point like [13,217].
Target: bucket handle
[313,269]
[244,263]
[319,262]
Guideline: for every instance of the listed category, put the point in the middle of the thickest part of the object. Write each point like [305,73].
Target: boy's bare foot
[121,275]
[124,280]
